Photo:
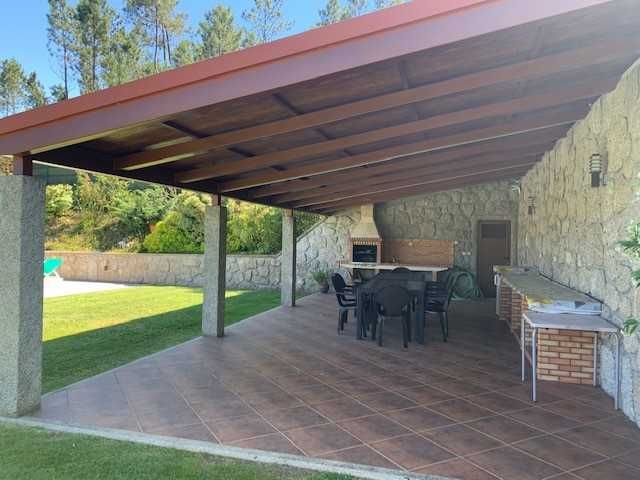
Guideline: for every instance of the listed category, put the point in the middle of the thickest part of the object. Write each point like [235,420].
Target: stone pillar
[288,264]
[21,285]
[215,260]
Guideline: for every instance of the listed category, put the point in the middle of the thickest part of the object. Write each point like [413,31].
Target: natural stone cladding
[574,232]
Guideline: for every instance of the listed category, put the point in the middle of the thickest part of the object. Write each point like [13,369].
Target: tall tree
[34,92]
[58,93]
[186,52]
[12,81]
[61,37]
[161,25]
[94,23]
[219,33]
[123,60]
[379,4]
[266,20]
[356,8]
[333,12]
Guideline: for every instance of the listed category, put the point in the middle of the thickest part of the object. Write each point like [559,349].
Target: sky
[23,31]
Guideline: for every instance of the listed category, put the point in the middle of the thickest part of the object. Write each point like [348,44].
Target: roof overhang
[453,92]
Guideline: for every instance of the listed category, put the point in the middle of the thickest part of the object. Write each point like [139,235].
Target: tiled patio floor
[285,381]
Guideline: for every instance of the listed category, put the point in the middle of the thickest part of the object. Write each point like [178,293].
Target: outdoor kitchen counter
[538,289]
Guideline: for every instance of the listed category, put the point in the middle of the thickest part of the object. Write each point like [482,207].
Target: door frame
[476,236]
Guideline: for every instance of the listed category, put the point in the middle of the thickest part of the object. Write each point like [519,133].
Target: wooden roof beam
[573,59]
[539,121]
[560,96]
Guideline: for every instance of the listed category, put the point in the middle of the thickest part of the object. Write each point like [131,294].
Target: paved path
[54,287]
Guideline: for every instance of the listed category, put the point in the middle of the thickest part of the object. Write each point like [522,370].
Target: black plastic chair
[437,299]
[401,270]
[393,303]
[345,302]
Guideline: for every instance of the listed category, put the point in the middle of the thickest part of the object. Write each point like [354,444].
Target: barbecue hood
[366,228]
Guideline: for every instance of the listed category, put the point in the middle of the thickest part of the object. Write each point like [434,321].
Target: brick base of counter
[563,355]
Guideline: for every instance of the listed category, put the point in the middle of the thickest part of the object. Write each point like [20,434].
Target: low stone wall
[255,272]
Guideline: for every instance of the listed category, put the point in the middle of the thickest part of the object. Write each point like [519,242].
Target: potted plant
[322,278]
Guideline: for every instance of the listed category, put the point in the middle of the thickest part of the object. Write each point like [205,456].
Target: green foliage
[253,228]
[218,33]
[266,20]
[182,230]
[631,247]
[321,277]
[58,202]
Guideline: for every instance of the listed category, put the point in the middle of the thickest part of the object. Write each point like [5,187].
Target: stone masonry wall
[574,232]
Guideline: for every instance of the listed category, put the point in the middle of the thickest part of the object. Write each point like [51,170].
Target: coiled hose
[462,283]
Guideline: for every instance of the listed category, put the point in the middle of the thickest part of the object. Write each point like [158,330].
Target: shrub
[58,201]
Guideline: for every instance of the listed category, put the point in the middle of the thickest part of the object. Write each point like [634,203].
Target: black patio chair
[393,303]
[401,270]
[437,298]
[346,303]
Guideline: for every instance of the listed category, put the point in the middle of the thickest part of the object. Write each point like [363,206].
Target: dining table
[365,291]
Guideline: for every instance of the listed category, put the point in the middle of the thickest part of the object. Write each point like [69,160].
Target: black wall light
[595,168]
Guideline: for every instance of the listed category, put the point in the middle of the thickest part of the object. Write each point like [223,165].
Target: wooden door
[494,248]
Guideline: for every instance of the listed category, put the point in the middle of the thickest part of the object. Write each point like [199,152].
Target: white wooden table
[588,323]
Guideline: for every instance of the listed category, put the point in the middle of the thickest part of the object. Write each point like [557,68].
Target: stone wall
[574,232]
[451,215]
[260,272]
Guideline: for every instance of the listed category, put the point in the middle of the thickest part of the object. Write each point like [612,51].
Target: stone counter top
[539,289]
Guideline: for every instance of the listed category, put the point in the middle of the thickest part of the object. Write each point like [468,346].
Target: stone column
[21,285]
[288,264]
[215,260]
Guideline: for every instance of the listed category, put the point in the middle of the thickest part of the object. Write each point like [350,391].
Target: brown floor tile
[599,400]
[358,387]
[459,388]
[543,419]
[240,428]
[395,382]
[419,418]
[361,455]
[271,400]
[425,395]
[297,417]
[631,458]
[191,432]
[385,401]
[565,455]
[620,426]
[373,428]
[318,394]
[461,410]
[457,468]
[598,440]
[342,409]
[322,439]
[461,440]
[412,451]
[523,393]
[610,469]
[576,411]
[510,464]
[125,421]
[218,410]
[505,429]
[292,383]
[275,442]
[497,402]
[167,417]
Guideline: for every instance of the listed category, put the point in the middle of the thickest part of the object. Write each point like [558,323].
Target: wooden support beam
[23,165]
[406,181]
[545,120]
[540,140]
[536,68]
[329,208]
[366,183]
[561,96]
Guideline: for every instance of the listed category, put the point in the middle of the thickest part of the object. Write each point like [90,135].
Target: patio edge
[195,446]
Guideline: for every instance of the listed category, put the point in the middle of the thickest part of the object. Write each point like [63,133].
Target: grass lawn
[39,455]
[88,334]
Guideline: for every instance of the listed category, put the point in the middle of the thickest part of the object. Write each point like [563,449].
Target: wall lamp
[595,169]
[532,205]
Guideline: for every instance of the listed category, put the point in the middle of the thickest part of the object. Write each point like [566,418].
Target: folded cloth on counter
[559,306]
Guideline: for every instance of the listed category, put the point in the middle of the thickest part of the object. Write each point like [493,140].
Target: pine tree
[161,26]
[12,81]
[333,12]
[218,33]
[123,60]
[185,53]
[34,92]
[379,4]
[94,23]
[266,20]
[61,37]
[356,8]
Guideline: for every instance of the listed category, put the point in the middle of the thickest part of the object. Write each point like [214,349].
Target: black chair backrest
[438,292]
[393,301]
[338,283]
[401,270]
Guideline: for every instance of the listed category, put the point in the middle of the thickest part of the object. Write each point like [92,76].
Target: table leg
[595,358]
[360,316]
[522,347]
[617,394]
[419,321]
[534,361]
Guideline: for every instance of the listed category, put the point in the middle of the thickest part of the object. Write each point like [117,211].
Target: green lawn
[89,334]
[33,454]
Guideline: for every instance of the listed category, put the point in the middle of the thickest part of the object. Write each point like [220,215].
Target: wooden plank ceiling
[473,111]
